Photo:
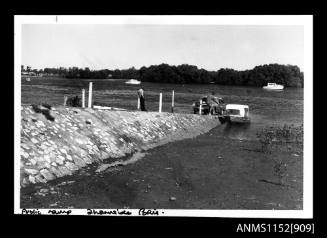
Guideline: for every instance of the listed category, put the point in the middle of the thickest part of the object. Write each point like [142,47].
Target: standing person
[213,103]
[140,93]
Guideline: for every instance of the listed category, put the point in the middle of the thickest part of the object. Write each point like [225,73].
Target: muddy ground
[211,171]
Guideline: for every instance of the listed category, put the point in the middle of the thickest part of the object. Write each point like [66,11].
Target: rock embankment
[58,141]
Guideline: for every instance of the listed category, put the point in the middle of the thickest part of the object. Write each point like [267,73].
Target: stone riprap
[58,141]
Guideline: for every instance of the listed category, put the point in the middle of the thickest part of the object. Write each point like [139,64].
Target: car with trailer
[231,113]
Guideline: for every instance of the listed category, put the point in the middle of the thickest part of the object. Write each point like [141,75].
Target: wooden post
[83,98]
[160,102]
[172,102]
[138,103]
[90,95]
[65,100]
[200,107]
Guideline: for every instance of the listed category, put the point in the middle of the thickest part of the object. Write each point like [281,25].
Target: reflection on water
[248,131]
[237,131]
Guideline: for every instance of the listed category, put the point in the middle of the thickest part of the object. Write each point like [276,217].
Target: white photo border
[294,20]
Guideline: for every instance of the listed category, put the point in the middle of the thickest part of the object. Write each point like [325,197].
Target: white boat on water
[133,81]
[274,86]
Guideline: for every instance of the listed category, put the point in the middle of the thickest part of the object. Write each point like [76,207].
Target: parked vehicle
[237,113]
[205,108]
[273,86]
[225,112]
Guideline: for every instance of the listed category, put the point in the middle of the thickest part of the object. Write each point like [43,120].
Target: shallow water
[266,107]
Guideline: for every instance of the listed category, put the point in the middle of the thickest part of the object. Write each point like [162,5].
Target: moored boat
[133,81]
[273,86]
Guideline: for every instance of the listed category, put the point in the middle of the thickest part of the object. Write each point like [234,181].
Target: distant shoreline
[89,79]
[261,75]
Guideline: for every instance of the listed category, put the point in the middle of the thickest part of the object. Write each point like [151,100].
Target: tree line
[83,73]
[288,75]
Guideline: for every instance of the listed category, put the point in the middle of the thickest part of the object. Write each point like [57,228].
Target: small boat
[28,79]
[133,81]
[273,86]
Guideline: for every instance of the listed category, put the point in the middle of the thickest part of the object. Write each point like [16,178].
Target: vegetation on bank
[288,75]
[276,138]
[273,137]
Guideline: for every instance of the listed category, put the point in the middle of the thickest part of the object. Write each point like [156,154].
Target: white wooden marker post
[200,108]
[172,101]
[90,95]
[83,98]
[160,102]
[65,100]
[138,103]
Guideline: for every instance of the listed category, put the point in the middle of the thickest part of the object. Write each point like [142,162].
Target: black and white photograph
[198,116]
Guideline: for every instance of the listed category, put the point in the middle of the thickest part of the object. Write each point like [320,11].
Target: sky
[107,46]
